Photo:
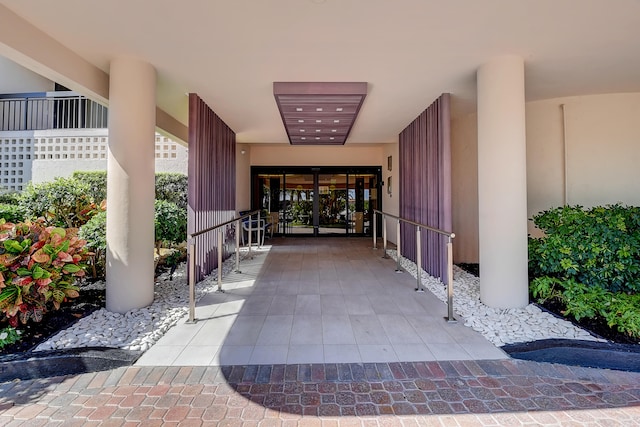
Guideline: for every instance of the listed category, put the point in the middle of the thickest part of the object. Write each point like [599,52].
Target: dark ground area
[56,320]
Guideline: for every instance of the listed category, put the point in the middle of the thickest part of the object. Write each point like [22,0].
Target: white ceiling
[409,51]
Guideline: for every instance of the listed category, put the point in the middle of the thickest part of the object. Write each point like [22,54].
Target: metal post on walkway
[398,251]
[384,236]
[375,230]
[419,287]
[238,231]
[450,317]
[192,282]
[220,250]
[250,234]
[259,242]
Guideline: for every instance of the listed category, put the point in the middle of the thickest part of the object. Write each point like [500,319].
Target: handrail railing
[418,226]
[65,110]
[192,255]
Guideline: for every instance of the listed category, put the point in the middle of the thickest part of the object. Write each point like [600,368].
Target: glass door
[333,214]
[316,201]
[298,200]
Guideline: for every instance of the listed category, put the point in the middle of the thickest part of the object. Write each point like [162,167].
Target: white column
[130,185]
[502,183]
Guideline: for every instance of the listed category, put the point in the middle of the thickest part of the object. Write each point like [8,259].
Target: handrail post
[250,234]
[258,231]
[238,231]
[375,230]
[220,261]
[192,281]
[419,287]
[384,237]
[398,250]
[450,317]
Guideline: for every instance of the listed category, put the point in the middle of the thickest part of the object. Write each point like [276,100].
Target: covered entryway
[315,300]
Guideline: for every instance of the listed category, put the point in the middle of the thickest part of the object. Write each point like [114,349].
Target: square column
[130,185]
[502,183]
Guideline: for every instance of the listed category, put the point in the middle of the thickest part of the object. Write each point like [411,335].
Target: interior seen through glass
[318,202]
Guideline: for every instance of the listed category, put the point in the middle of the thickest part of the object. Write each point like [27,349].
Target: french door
[317,201]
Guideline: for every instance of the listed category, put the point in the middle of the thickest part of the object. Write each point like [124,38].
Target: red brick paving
[510,392]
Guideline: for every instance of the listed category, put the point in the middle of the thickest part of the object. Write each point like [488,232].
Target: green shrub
[172,187]
[596,247]
[9,197]
[620,310]
[64,202]
[8,336]
[170,223]
[95,233]
[12,213]
[38,266]
[97,183]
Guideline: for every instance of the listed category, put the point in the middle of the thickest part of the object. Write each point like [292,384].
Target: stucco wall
[243,177]
[291,155]
[391,201]
[16,79]
[601,137]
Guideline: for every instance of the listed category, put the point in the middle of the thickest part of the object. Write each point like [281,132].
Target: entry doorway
[317,201]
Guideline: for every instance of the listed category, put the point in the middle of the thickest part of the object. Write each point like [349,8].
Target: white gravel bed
[500,326]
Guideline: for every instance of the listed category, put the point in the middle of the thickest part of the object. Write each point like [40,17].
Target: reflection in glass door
[333,212]
[297,206]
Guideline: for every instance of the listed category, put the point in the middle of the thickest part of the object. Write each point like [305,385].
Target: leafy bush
[596,247]
[172,187]
[95,233]
[64,202]
[9,197]
[619,310]
[170,223]
[12,213]
[8,336]
[96,181]
[38,266]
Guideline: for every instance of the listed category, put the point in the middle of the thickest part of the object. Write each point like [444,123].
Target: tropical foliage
[38,267]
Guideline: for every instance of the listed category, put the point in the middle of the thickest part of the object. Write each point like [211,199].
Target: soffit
[409,51]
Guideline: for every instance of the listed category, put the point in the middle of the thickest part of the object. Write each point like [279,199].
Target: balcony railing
[53,110]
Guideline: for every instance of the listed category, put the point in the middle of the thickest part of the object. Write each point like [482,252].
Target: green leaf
[39,273]
[23,271]
[71,268]
[13,246]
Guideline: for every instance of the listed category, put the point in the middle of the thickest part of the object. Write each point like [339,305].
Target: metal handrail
[419,288]
[53,110]
[192,255]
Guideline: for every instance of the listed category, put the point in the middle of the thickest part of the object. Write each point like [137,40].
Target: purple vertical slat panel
[211,177]
[425,183]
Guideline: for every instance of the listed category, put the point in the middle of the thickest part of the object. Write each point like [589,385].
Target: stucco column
[130,184]
[502,183]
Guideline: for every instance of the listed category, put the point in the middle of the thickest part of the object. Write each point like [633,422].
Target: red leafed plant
[38,268]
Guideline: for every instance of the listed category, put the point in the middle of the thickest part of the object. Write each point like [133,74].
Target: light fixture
[332,107]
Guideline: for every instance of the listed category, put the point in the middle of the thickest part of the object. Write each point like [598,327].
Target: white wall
[391,201]
[15,79]
[601,134]
[243,177]
[317,155]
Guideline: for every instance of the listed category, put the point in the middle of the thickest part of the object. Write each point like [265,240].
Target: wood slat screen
[425,184]
[212,181]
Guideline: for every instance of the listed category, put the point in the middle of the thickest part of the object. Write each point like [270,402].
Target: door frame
[316,171]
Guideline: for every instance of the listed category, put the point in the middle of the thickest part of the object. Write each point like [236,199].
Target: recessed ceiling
[319,113]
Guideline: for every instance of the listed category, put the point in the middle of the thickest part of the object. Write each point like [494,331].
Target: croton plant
[38,269]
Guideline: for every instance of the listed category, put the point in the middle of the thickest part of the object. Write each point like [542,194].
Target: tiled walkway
[322,300]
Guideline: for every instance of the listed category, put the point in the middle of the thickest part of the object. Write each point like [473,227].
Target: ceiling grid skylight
[326,110]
